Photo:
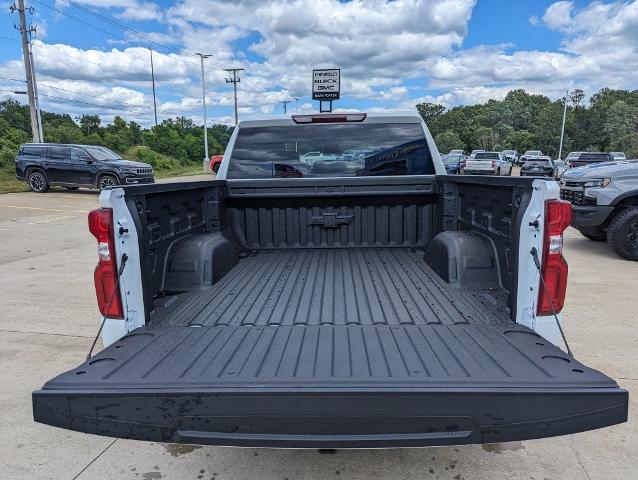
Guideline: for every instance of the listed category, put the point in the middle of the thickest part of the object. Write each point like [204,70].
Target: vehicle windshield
[509,152]
[533,152]
[330,150]
[487,156]
[102,153]
[572,155]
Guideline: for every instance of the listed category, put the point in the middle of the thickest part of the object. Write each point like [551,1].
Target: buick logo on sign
[326,84]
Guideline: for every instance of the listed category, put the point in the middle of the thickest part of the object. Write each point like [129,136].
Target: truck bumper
[590,216]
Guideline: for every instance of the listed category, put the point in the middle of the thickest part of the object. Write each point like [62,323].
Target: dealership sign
[326,84]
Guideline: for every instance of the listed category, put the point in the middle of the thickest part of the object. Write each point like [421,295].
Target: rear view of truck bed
[331,313]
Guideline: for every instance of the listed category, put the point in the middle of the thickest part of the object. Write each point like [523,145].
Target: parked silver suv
[604,198]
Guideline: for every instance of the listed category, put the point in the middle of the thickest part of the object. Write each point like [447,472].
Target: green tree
[429,111]
[89,123]
[449,140]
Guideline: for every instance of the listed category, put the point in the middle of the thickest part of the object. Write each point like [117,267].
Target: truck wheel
[107,181]
[622,234]
[38,181]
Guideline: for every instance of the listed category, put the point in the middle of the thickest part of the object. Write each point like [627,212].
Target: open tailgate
[326,386]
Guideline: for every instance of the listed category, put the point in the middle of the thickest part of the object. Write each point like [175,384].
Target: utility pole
[35,84]
[202,56]
[153,80]
[285,104]
[296,99]
[234,80]
[562,130]
[35,130]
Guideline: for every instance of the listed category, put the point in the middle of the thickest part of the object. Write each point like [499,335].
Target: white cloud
[558,14]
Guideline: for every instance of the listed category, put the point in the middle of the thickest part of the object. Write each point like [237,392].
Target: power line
[85,103]
[86,23]
[83,60]
[93,96]
[13,79]
[128,29]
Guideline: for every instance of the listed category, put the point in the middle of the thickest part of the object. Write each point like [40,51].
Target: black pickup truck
[327,300]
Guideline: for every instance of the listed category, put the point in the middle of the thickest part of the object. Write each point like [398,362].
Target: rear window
[486,156]
[33,151]
[540,163]
[58,153]
[330,150]
[595,157]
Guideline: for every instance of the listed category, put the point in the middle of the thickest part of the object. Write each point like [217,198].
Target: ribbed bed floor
[362,286]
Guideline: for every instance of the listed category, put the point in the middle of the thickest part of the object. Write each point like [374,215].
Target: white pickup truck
[490,163]
[286,304]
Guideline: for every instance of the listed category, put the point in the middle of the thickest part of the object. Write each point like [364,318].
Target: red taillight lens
[493,163]
[558,214]
[105,275]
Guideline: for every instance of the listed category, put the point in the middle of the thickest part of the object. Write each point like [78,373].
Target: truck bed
[356,286]
[307,313]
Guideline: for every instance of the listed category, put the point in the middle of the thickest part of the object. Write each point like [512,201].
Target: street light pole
[562,130]
[202,56]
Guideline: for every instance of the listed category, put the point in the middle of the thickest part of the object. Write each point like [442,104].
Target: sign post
[326,86]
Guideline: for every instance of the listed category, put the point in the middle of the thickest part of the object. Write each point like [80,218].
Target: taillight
[106,286]
[558,214]
[493,163]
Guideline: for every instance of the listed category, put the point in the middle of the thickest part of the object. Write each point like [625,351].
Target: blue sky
[92,55]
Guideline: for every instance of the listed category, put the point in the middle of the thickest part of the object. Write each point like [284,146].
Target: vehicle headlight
[603,182]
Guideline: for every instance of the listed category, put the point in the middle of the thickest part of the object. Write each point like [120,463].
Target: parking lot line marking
[48,195]
[45,209]
[48,220]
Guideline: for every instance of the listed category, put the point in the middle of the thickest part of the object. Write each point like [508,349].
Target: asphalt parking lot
[49,317]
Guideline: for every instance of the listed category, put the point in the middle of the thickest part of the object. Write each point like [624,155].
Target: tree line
[178,138]
[608,121]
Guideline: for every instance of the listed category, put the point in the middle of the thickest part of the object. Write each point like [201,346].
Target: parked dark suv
[75,166]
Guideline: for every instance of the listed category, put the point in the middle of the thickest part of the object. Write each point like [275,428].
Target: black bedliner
[336,286]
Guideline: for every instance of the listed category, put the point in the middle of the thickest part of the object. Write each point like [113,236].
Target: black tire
[498,172]
[216,168]
[595,237]
[72,188]
[106,181]
[38,181]
[622,234]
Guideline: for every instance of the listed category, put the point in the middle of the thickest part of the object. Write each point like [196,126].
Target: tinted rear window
[33,151]
[59,153]
[330,150]
[487,156]
[539,163]
[598,157]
